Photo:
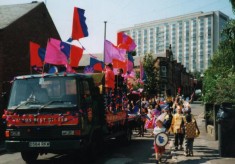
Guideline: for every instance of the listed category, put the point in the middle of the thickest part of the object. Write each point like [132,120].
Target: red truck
[61,113]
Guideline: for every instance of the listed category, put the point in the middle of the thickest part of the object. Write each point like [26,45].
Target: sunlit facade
[193,37]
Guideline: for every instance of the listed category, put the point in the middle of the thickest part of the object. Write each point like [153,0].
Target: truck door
[86,105]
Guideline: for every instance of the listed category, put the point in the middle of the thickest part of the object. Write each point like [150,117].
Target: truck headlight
[71,132]
[67,132]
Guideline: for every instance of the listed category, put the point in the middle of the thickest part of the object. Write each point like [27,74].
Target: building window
[163,71]
[163,87]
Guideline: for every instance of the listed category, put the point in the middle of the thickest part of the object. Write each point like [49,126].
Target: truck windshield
[36,92]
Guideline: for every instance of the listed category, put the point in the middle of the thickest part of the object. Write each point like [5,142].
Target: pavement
[205,147]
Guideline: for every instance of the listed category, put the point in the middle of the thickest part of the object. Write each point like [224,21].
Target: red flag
[34,57]
[126,42]
[120,64]
[79,25]
[75,56]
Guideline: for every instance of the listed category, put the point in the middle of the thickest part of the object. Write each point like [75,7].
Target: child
[190,133]
[158,129]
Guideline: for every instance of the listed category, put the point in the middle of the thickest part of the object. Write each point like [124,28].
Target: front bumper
[54,145]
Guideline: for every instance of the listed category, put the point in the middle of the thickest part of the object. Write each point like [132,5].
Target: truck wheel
[29,157]
[96,146]
[97,143]
[128,136]
[125,139]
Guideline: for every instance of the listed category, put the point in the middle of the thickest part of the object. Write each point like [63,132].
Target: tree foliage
[219,79]
[196,74]
[151,83]
[226,47]
[233,5]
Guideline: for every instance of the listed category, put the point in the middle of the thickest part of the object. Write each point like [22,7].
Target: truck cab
[54,113]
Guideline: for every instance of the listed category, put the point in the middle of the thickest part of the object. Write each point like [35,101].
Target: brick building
[20,24]
[172,75]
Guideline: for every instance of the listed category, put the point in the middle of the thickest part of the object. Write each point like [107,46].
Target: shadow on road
[138,151]
[208,154]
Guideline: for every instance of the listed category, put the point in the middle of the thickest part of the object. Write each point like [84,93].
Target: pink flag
[112,52]
[54,55]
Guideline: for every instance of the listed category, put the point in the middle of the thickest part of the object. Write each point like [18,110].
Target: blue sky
[120,14]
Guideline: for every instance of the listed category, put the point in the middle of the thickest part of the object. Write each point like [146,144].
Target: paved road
[140,150]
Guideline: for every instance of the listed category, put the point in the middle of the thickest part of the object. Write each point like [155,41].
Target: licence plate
[39,144]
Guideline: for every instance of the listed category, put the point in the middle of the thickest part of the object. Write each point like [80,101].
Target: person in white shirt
[158,129]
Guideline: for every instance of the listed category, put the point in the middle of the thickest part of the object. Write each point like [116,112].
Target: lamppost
[202,76]
[194,83]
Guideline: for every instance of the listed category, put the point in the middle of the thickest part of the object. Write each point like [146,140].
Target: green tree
[151,72]
[233,5]
[196,75]
[219,79]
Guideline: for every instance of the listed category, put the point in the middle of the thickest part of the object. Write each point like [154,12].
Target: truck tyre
[29,156]
[128,136]
[125,139]
[95,147]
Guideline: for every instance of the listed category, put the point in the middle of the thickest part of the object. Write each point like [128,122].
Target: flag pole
[105,22]
[103,80]
[30,67]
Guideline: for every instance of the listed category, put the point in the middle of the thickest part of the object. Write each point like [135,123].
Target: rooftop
[10,13]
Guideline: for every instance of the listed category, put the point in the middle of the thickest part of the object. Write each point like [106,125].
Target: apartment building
[193,37]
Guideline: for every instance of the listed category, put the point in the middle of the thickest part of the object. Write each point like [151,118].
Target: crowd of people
[169,115]
[172,116]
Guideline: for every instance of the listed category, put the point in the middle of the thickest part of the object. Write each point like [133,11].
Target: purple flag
[112,52]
